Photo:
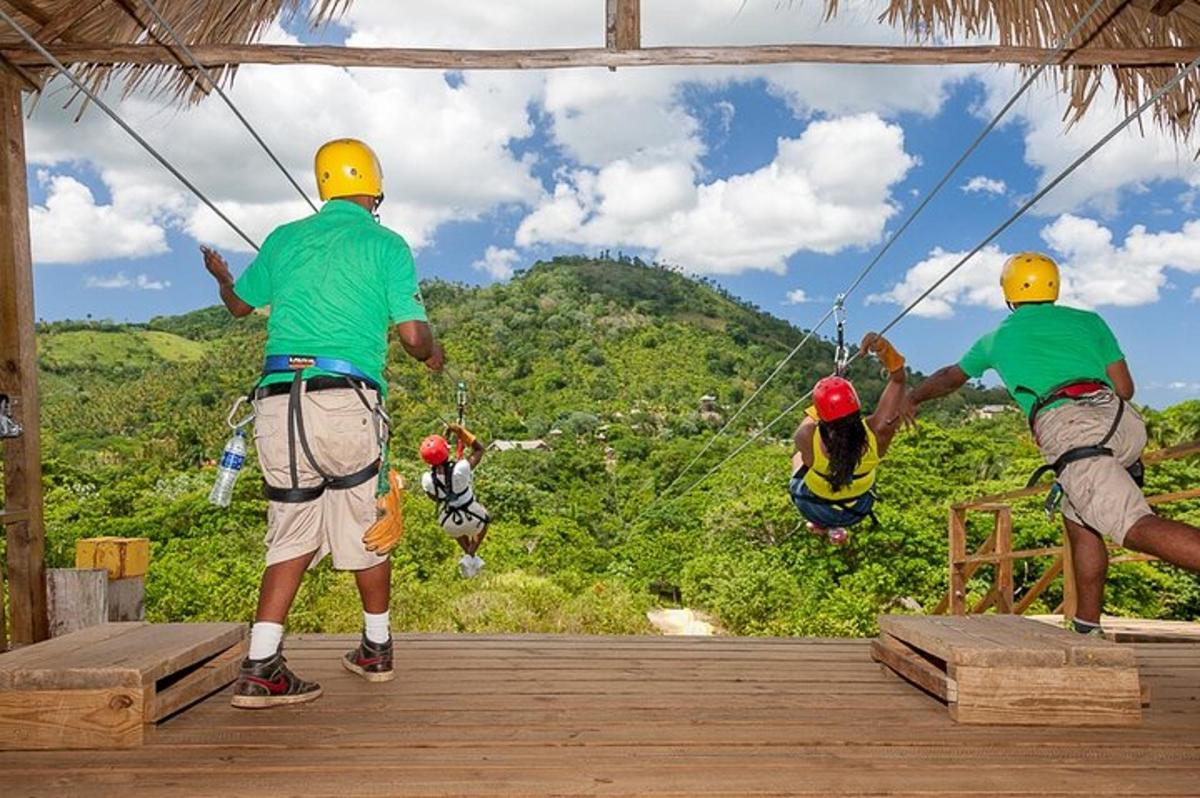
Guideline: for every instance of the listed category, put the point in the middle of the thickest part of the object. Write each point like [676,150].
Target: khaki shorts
[343,436]
[1097,492]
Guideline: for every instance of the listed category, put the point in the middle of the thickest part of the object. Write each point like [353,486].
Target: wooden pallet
[98,687]
[1007,670]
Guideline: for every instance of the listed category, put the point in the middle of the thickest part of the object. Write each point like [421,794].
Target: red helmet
[835,398]
[435,450]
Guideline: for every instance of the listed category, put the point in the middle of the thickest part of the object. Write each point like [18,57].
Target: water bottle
[232,460]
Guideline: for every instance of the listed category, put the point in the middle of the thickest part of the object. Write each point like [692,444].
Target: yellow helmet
[348,168]
[1029,277]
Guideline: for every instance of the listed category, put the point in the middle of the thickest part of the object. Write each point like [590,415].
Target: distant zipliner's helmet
[834,398]
[435,450]
[1030,277]
[347,168]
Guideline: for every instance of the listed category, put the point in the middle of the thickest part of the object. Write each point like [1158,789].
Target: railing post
[1004,567]
[958,552]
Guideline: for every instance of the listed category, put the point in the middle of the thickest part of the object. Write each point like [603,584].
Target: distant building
[991,411]
[537,445]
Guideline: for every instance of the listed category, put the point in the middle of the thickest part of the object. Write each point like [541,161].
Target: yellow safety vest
[864,473]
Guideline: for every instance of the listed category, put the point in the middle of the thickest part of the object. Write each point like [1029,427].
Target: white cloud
[1183,386]
[498,263]
[1095,272]
[985,184]
[446,146]
[71,227]
[826,190]
[796,296]
[119,280]
[1129,163]
[1196,294]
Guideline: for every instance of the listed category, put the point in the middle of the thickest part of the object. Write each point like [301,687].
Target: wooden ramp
[98,687]
[621,716]
[1007,670]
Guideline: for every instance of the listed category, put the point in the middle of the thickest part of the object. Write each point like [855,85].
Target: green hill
[606,359]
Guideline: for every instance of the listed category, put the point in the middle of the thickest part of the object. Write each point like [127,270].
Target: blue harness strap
[280,364]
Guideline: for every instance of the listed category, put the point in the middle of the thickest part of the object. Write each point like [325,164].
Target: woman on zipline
[837,450]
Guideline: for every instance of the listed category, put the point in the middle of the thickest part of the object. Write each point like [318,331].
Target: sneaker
[465,565]
[478,565]
[372,661]
[265,683]
[819,531]
[838,536]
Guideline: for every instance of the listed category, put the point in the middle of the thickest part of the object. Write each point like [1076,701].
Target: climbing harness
[1087,391]
[349,376]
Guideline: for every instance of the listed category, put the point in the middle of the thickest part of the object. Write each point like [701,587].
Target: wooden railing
[997,552]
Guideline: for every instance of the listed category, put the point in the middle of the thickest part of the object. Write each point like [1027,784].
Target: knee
[1137,534]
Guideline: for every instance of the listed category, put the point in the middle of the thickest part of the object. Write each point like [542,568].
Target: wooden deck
[539,715]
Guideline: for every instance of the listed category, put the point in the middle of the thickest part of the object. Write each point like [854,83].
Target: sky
[778,182]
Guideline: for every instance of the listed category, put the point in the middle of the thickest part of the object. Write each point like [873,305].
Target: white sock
[265,638]
[376,628]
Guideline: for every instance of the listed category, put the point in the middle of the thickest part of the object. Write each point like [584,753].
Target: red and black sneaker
[265,683]
[372,661]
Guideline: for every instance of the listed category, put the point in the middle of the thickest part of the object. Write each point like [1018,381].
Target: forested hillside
[608,362]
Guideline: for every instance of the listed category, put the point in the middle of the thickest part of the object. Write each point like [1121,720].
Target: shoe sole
[269,701]
[370,676]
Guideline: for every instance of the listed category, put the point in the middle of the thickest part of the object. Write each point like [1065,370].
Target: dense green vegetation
[607,360]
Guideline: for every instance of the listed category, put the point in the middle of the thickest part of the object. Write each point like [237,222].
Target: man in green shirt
[335,282]
[1065,369]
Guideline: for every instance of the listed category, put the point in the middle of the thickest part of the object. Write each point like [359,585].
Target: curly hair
[846,442]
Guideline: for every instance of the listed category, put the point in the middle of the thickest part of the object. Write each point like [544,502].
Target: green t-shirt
[1040,347]
[335,281]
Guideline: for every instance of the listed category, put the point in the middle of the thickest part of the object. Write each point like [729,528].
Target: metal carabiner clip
[236,425]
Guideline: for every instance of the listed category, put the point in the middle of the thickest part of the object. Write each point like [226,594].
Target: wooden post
[624,29]
[1004,567]
[958,551]
[18,379]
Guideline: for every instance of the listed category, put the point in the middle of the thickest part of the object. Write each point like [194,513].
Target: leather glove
[883,349]
[463,434]
[385,533]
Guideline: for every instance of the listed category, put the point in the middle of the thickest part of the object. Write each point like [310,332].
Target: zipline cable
[91,95]
[212,81]
[887,245]
[1059,178]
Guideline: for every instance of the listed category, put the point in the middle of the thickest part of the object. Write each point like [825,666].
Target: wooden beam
[624,29]
[18,378]
[560,58]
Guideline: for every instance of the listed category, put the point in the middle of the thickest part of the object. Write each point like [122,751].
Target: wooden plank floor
[542,715]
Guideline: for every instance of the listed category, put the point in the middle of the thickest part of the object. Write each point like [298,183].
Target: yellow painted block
[121,557]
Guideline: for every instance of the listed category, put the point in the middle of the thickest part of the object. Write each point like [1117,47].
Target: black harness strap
[1100,449]
[296,494]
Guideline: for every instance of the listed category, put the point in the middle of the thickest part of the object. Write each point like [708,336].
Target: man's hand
[437,358]
[217,266]
[906,413]
[219,269]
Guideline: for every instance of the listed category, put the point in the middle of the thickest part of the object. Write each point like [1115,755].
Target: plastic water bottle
[232,460]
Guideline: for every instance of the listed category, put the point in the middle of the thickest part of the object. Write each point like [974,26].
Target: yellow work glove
[883,349]
[386,532]
[462,433]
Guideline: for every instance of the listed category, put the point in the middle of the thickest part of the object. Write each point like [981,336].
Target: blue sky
[772,181]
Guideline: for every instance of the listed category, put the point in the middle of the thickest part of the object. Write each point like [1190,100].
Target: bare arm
[476,455]
[803,441]
[1121,379]
[417,339]
[219,269]
[889,413]
[942,382]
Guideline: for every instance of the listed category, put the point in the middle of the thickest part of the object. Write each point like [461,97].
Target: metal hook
[241,400]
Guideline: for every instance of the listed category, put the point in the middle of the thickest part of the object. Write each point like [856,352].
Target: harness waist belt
[279,364]
[299,495]
[1068,457]
[1074,390]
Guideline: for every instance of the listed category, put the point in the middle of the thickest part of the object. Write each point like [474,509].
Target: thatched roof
[1125,24]
[128,21]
